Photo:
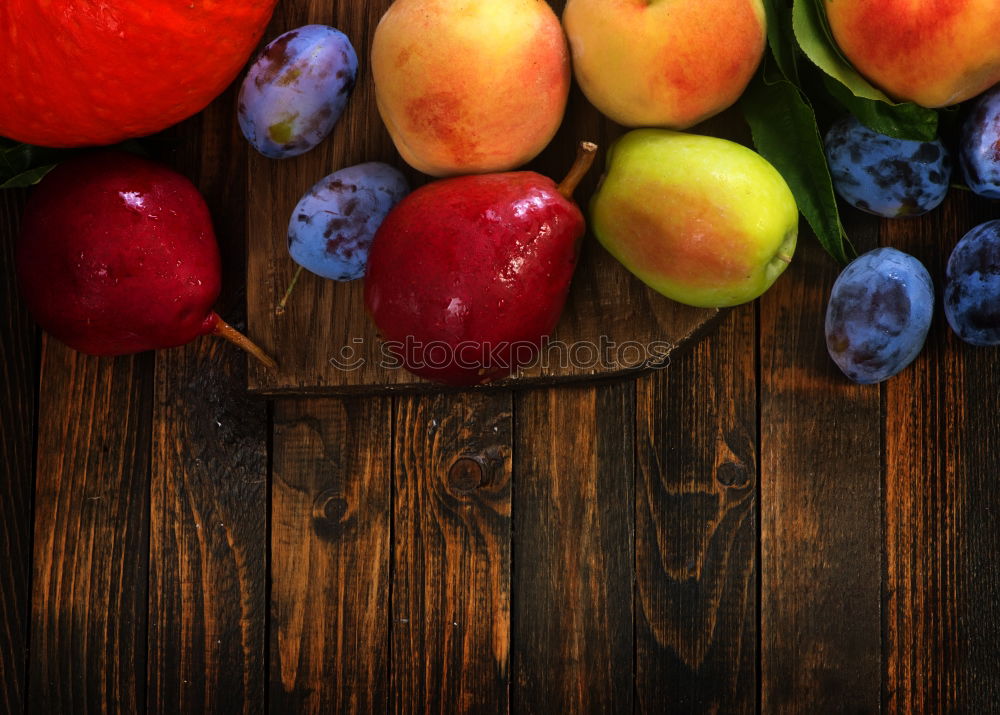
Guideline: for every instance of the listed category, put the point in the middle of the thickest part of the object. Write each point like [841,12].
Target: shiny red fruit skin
[480,264]
[95,72]
[116,255]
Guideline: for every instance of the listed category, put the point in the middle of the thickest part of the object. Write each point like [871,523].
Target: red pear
[117,255]
[466,276]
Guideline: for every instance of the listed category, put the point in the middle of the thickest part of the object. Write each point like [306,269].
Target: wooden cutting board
[326,344]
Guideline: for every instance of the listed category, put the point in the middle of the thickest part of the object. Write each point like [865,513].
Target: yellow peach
[470,86]
[932,52]
[664,63]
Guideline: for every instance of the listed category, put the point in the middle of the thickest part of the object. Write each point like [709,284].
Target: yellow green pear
[704,221]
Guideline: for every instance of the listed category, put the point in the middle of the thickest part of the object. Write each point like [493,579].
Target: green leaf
[780,37]
[14,158]
[785,133]
[25,165]
[20,163]
[27,178]
[902,121]
[813,36]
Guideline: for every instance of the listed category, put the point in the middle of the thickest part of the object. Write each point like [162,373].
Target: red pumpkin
[80,72]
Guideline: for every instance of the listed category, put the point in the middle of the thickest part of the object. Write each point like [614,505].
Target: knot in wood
[329,507]
[731,474]
[466,474]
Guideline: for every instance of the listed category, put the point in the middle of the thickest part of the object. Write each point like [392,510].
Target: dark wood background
[744,530]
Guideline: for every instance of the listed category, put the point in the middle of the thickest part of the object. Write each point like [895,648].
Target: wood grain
[696,527]
[207,603]
[451,554]
[88,614]
[976,630]
[507,523]
[330,548]
[208,550]
[573,560]
[605,299]
[821,538]
[18,410]
[941,531]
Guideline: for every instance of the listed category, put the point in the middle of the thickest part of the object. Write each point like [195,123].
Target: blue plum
[972,286]
[980,146]
[886,176]
[878,316]
[333,225]
[296,90]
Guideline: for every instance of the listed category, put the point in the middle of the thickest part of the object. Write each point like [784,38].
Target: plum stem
[280,308]
[228,332]
[585,154]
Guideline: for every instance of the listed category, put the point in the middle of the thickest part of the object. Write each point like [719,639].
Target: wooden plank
[18,413]
[208,547]
[573,560]
[941,532]
[451,554]
[330,546]
[975,629]
[208,572]
[605,298]
[88,616]
[696,527]
[820,504]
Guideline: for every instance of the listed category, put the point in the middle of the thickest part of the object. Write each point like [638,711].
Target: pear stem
[585,154]
[288,292]
[228,332]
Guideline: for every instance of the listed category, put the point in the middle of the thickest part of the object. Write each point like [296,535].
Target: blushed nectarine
[664,63]
[470,87]
[932,52]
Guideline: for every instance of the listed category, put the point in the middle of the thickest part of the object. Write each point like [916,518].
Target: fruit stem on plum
[280,308]
[584,159]
[228,332]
